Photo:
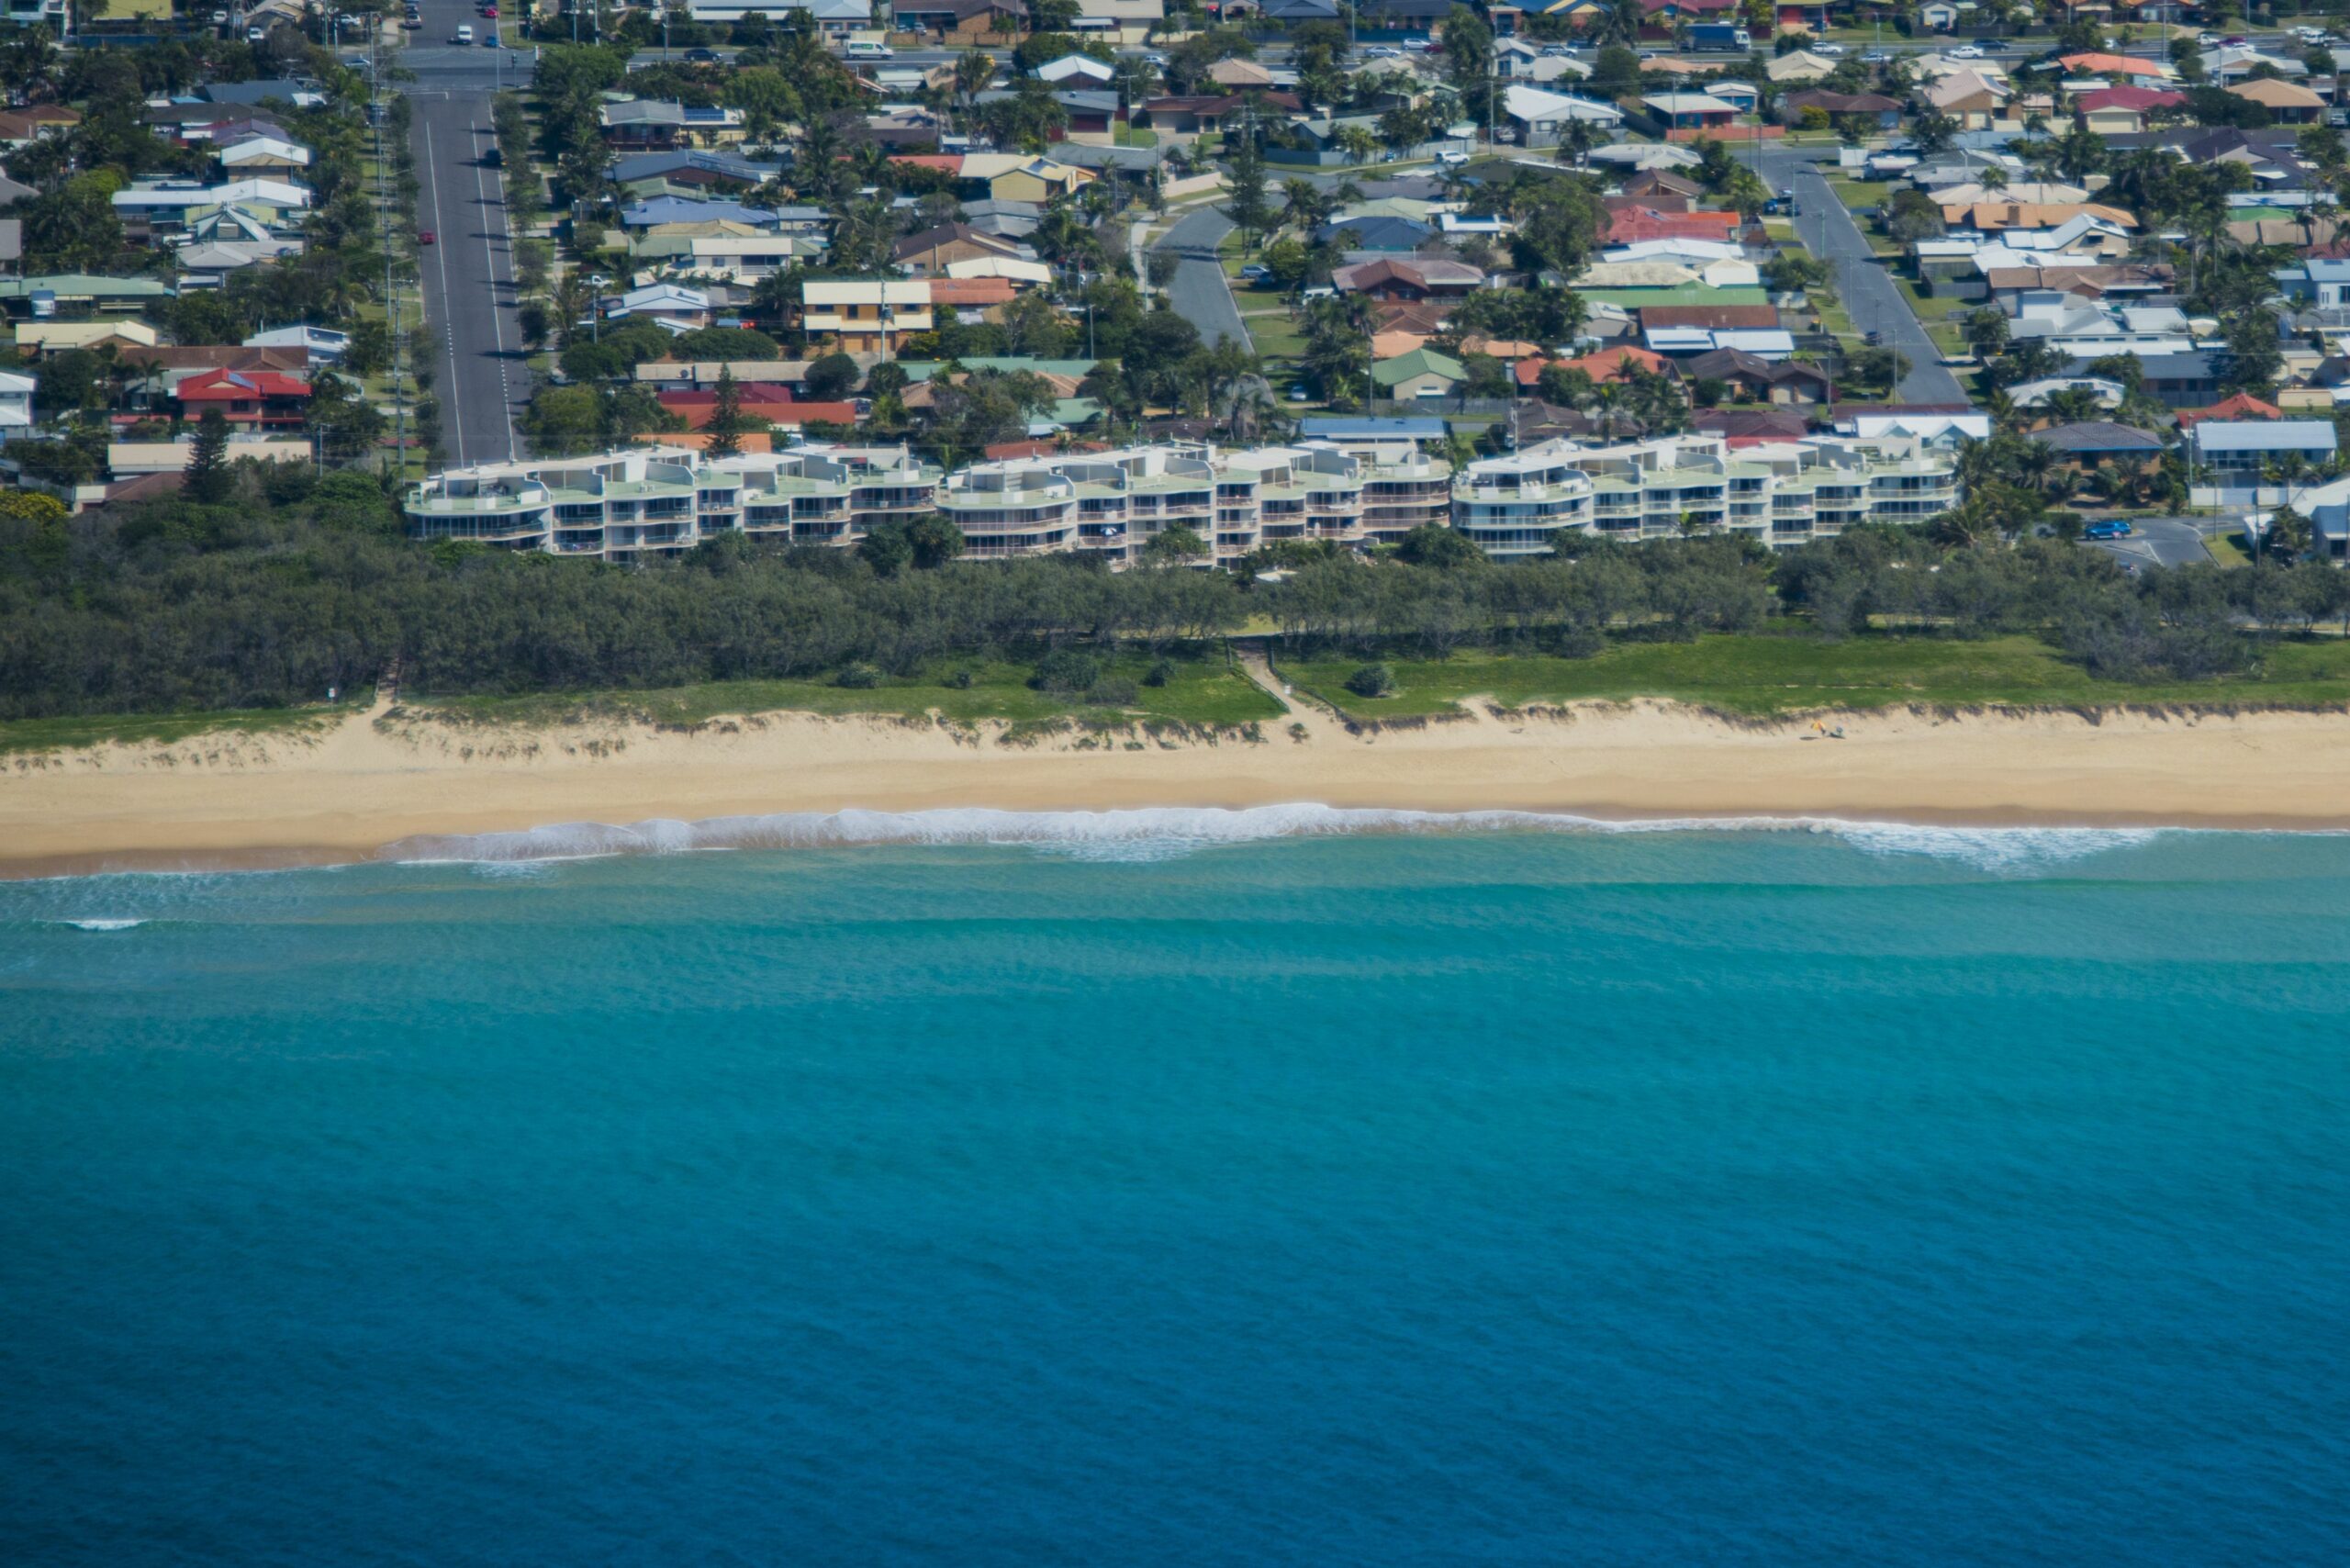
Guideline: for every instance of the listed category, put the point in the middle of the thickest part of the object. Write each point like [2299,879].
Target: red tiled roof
[2243,406]
[2139,99]
[1606,364]
[759,400]
[1634,224]
[227,386]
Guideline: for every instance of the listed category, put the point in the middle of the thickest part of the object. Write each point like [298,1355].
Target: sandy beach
[371,780]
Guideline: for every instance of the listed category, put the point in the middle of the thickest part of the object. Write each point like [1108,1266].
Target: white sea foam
[1163,833]
[118,924]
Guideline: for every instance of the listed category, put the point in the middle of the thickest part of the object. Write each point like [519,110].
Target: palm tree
[1356,142]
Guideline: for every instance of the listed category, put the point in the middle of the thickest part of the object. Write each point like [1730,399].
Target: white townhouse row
[627,505]
[1781,493]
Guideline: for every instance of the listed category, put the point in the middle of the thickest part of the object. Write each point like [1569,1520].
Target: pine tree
[1248,209]
[725,427]
[208,480]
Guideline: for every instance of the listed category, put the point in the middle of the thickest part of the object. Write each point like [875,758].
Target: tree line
[294,585]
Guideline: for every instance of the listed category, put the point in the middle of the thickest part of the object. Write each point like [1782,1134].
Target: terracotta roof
[2272,93]
[227,386]
[972,291]
[1608,364]
[2108,65]
[2140,98]
[2243,406]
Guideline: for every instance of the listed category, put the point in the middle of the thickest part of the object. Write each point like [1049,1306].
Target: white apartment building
[627,505]
[1783,493]
[1114,503]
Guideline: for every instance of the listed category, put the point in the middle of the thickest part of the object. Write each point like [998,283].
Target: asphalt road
[473,341]
[1867,289]
[1199,292]
[2162,540]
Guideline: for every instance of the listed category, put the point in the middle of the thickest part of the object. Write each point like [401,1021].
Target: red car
[425,237]
[489,12]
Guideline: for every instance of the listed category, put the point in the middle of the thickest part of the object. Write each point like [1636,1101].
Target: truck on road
[1714,38]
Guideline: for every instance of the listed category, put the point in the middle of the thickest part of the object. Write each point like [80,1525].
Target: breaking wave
[1163,833]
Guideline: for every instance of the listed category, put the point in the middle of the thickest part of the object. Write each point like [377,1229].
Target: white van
[465,32]
[862,50]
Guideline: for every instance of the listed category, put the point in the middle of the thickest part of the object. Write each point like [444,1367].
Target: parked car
[2233,40]
[256,35]
[1452,159]
[1376,51]
[464,33]
[1301,394]
[426,237]
[489,12]
[2106,530]
[1319,291]
[1254,273]
[1416,46]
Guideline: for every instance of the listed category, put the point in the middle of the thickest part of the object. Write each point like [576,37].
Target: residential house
[1198,113]
[929,252]
[760,400]
[2110,393]
[23,126]
[318,345]
[1756,379]
[1423,373]
[1690,111]
[1078,69]
[207,262]
[961,23]
[2187,380]
[1004,220]
[1632,225]
[2323,283]
[262,399]
[2240,449]
[1119,21]
[1967,96]
[640,124]
[40,339]
[644,215]
[1399,236]
[2289,101]
[1542,116]
[2121,65]
[2112,111]
[668,305]
[1801,65]
[1420,279]
[2089,442]
[262,153]
[2243,406]
[1875,108]
[833,19]
[15,401]
[1657,184]
[864,316]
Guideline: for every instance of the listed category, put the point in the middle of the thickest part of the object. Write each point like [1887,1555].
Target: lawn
[1202,690]
[136,729]
[1134,136]
[1858,194]
[1773,675]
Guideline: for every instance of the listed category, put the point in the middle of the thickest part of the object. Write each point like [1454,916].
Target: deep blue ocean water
[1771,1198]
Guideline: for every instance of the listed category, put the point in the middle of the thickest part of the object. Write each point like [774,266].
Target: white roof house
[178,195]
[266,150]
[1634,156]
[1928,430]
[2248,443]
[323,344]
[1541,111]
[16,400]
[1082,67]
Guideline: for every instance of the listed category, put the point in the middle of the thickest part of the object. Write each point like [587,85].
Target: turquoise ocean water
[1159,1193]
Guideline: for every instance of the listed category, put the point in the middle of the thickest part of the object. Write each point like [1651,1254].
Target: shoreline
[347,792]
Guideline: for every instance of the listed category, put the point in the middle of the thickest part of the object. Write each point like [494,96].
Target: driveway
[1199,292]
[1867,289]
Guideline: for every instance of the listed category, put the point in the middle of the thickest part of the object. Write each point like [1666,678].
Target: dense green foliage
[294,585]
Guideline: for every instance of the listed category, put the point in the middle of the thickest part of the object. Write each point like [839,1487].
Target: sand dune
[375,779]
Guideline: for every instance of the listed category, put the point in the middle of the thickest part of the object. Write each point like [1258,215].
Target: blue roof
[1379,233]
[684,210]
[2265,435]
[651,165]
[1418,427]
[2327,271]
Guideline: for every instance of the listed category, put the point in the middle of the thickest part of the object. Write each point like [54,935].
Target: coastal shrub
[960,680]
[858,677]
[1372,680]
[1161,673]
[1066,670]
[1111,692]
